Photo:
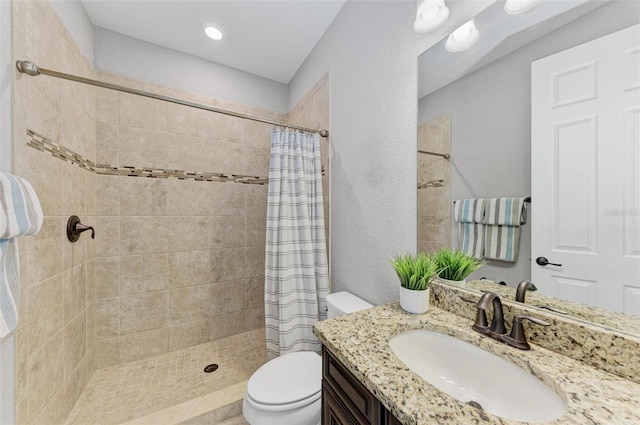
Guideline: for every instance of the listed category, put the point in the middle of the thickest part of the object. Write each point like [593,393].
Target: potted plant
[455,266]
[416,273]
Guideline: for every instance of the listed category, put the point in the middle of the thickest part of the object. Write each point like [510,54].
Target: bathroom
[149,254]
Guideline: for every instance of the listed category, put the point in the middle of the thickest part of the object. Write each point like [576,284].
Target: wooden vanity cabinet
[345,401]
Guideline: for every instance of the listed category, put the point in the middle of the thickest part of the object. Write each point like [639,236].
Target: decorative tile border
[42,144]
[431,183]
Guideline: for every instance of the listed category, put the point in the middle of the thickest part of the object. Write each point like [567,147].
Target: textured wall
[55,340]
[491,130]
[181,262]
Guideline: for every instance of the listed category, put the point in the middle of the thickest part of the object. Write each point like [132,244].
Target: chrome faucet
[523,287]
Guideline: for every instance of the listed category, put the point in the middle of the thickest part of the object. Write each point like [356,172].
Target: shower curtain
[296,271]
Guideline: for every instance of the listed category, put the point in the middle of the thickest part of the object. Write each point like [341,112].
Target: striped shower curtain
[296,272]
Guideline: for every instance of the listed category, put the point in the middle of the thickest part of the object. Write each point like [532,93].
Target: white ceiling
[263,37]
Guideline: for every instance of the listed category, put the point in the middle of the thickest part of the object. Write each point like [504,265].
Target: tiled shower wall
[434,185]
[55,339]
[181,262]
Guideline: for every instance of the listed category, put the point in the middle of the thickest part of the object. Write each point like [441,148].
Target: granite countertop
[360,342]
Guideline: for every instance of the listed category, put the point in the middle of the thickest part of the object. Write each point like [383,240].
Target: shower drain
[211,368]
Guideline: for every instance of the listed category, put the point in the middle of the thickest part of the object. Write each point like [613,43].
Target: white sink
[471,374]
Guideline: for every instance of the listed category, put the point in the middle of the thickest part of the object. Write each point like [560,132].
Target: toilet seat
[286,382]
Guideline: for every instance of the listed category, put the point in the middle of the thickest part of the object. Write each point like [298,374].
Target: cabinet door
[332,411]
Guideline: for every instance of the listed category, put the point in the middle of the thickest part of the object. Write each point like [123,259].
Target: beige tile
[227,232]
[254,318]
[22,362]
[107,144]
[22,407]
[227,297]
[107,352]
[257,134]
[188,197]
[256,198]
[107,318]
[74,190]
[106,236]
[53,412]
[145,148]
[73,387]
[196,122]
[143,273]
[92,322]
[188,334]
[45,253]
[75,342]
[225,325]
[46,311]
[75,291]
[256,228]
[91,281]
[107,277]
[142,112]
[143,235]
[188,268]
[106,106]
[227,198]
[189,304]
[254,292]
[144,344]
[75,253]
[254,260]
[228,264]
[45,373]
[140,312]
[107,199]
[141,196]
[189,233]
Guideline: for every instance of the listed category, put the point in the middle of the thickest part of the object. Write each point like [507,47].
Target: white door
[585,162]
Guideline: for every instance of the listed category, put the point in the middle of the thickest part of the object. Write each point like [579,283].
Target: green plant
[456,265]
[415,272]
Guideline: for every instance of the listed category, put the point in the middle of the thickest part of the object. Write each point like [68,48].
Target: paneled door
[585,162]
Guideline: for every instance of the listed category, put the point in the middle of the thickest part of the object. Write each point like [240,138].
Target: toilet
[287,389]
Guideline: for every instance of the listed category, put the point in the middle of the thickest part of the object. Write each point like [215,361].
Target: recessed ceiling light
[431,14]
[213,32]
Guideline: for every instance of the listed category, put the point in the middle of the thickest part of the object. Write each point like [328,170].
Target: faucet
[497,322]
[523,287]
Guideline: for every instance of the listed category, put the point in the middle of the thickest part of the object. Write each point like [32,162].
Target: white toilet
[287,389]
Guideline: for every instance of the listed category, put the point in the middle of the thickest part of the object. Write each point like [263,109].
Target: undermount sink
[478,377]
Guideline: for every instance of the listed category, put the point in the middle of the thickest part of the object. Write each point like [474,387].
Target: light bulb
[463,38]
[518,6]
[213,33]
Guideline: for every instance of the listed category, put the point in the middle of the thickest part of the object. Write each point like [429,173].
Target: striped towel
[502,228]
[469,214]
[20,214]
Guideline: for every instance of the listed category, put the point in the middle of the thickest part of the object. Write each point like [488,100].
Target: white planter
[459,283]
[416,302]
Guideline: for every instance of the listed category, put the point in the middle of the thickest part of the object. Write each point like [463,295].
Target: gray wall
[118,54]
[371,51]
[491,122]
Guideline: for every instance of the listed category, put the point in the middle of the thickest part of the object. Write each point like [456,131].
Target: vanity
[364,382]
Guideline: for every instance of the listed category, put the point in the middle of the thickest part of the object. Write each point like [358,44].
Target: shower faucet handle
[75,228]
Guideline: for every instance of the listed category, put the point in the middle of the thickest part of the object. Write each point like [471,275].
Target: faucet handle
[517,337]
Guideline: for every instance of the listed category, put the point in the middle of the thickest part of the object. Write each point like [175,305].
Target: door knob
[542,261]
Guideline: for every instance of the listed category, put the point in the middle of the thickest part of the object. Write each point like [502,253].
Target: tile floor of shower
[173,388]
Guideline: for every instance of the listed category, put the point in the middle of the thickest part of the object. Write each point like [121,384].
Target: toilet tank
[340,303]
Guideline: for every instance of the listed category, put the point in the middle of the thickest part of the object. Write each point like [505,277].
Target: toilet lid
[287,379]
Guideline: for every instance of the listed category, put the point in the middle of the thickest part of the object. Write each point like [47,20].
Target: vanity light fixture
[213,32]
[431,14]
[518,6]
[463,38]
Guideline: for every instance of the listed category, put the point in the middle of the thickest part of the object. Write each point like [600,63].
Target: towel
[469,214]
[20,214]
[503,219]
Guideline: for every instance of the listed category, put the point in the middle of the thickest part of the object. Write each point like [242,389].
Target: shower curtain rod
[444,155]
[33,70]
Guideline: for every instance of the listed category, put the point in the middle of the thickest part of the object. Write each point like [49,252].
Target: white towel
[469,213]
[503,219]
[20,214]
